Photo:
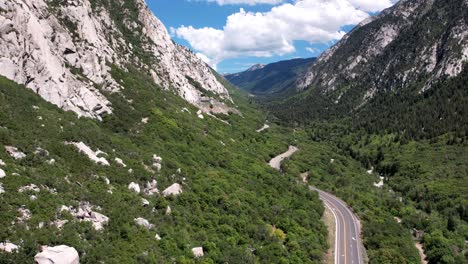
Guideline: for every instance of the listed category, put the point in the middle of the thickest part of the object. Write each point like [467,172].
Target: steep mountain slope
[271,78]
[63,50]
[405,51]
[103,187]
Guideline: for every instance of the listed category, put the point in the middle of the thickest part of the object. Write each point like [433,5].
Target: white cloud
[265,34]
[372,5]
[312,50]
[245,2]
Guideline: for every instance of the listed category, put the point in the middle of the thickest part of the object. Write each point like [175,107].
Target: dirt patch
[419,246]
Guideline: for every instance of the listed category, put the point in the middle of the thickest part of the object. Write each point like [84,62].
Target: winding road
[348,244]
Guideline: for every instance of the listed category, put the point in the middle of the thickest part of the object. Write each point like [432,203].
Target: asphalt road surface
[348,245]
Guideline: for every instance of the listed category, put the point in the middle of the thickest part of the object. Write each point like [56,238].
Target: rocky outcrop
[92,155]
[85,212]
[63,51]
[412,43]
[58,255]
[151,188]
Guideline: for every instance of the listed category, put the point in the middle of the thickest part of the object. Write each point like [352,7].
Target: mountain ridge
[64,51]
[271,78]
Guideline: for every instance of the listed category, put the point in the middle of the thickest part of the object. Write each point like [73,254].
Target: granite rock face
[63,50]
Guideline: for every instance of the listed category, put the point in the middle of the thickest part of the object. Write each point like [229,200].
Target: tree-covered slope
[412,55]
[271,78]
[233,205]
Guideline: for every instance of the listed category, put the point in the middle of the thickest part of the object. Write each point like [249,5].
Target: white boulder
[198,252]
[2,190]
[8,247]
[57,255]
[134,187]
[83,148]
[144,223]
[2,163]
[120,162]
[175,189]
[15,153]
[168,210]
[29,188]
[157,237]
[2,174]
[145,202]
[151,188]
[157,162]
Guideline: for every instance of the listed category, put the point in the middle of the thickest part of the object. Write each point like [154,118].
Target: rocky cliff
[65,51]
[415,43]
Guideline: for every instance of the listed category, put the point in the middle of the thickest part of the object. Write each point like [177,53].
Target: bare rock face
[375,56]
[63,51]
[37,49]
[57,255]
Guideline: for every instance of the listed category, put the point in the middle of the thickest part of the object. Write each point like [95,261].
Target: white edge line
[357,230]
[336,231]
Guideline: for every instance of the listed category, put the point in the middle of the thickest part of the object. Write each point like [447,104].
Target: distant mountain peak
[256,67]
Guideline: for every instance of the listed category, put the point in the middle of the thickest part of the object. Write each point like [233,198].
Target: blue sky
[232,35]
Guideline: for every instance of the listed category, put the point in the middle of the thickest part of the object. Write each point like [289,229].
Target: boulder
[57,255]
[144,202]
[144,223]
[174,189]
[120,162]
[134,187]
[198,252]
[1,188]
[85,212]
[2,174]
[15,153]
[157,162]
[29,188]
[92,155]
[8,247]
[2,163]
[151,188]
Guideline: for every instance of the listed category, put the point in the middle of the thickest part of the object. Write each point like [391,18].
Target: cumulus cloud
[265,34]
[245,2]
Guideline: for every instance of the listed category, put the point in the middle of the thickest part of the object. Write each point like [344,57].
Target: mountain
[65,52]
[405,52]
[119,146]
[271,78]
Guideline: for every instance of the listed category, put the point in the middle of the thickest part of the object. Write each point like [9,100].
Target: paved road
[348,245]
[276,161]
